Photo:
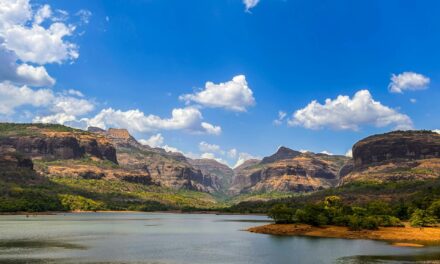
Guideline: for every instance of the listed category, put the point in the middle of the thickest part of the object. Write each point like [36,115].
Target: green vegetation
[332,211]
[25,129]
[31,193]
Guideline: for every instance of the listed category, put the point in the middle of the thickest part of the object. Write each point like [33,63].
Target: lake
[179,238]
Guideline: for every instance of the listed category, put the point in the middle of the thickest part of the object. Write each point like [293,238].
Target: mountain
[222,173]
[282,153]
[167,169]
[288,171]
[55,168]
[396,156]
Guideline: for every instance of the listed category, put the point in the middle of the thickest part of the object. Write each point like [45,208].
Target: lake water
[179,238]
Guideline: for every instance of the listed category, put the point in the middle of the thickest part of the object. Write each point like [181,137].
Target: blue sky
[135,61]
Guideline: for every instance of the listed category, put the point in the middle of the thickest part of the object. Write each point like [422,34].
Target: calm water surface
[179,238]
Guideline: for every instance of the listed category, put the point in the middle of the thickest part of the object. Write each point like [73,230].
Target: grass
[33,129]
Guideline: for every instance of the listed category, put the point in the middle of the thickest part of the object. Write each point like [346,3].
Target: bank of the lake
[398,236]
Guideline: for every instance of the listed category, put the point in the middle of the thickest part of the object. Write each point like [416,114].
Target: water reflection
[178,238]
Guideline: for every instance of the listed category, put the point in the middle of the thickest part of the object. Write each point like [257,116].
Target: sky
[225,79]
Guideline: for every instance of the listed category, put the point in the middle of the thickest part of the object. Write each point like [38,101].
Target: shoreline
[397,236]
[124,212]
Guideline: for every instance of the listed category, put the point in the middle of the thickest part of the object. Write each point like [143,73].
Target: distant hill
[288,170]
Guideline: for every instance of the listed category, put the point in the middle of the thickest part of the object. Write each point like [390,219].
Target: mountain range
[62,154]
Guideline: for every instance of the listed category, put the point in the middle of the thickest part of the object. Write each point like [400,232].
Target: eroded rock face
[302,172]
[398,145]
[158,166]
[396,156]
[219,172]
[62,145]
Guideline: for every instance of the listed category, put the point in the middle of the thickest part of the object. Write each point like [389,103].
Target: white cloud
[211,129]
[234,95]
[344,113]
[84,15]
[281,116]
[42,14]
[39,45]
[413,100]
[436,131]
[23,73]
[13,12]
[206,147]
[25,36]
[154,141]
[72,106]
[62,108]
[410,81]
[232,153]
[75,93]
[188,118]
[172,149]
[58,118]
[242,157]
[326,152]
[250,4]
[12,96]
[349,153]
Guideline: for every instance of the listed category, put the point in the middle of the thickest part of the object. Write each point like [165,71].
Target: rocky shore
[398,236]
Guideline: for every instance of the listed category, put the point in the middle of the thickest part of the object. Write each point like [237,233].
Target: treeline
[332,211]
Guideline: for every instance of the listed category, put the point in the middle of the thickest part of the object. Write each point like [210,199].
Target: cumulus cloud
[436,131]
[234,95]
[281,116]
[345,113]
[58,118]
[410,81]
[349,153]
[22,73]
[27,44]
[326,152]
[72,106]
[188,118]
[154,141]
[250,4]
[12,96]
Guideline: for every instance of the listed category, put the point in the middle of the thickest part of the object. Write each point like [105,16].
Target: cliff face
[220,172]
[399,155]
[398,145]
[43,143]
[165,169]
[288,171]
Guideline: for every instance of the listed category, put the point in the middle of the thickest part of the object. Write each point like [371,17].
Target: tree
[422,218]
[282,214]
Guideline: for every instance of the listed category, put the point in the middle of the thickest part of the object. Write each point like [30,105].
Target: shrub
[77,202]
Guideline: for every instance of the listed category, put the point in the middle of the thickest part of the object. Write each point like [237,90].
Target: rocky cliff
[167,169]
[398,155]
[221,172]
[52,142]
[288,171]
